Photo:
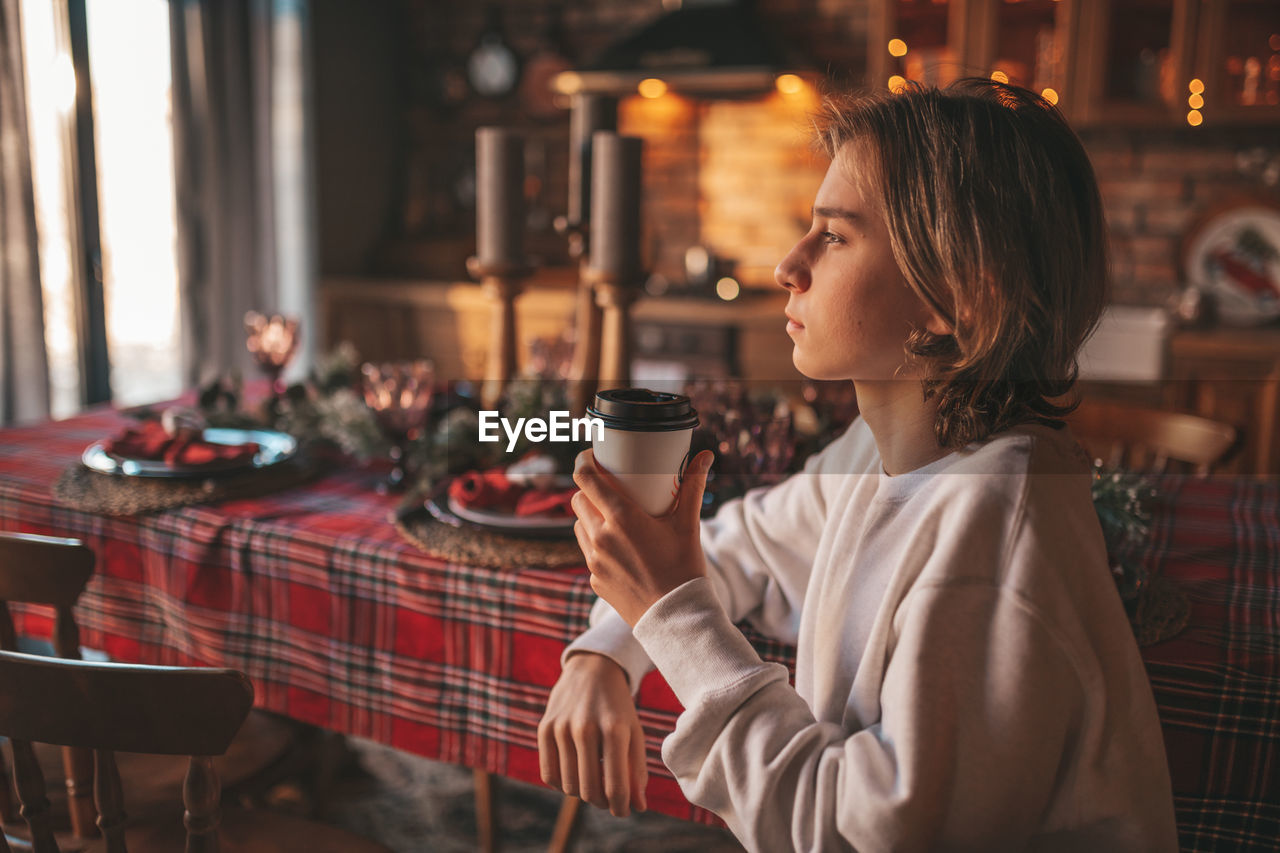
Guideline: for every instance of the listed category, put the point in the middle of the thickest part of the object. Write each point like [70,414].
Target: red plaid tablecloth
[342,624]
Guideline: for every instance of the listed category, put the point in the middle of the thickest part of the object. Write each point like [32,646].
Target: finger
[568,761]
[639,769]
[616,761]
[585,543]
[590,775]
[586,512]
[548,756]
[694,485]
[599,485]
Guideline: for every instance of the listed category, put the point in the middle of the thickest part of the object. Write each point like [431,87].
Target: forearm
[954,759]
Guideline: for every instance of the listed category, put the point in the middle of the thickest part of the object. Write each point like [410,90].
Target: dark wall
[358,50]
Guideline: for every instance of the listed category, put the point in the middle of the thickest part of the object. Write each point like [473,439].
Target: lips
[793,323]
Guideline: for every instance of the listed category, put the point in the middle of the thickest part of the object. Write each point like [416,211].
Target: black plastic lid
[643,410]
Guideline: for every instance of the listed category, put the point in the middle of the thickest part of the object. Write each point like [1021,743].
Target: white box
[1130,344]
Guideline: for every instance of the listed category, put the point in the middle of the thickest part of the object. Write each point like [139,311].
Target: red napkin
[493,490]
[485,490]
[149,440]
[546,502]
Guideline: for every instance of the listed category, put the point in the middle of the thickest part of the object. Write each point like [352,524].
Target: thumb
[694,486]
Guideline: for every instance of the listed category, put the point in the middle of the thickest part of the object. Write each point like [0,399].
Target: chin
[817,372]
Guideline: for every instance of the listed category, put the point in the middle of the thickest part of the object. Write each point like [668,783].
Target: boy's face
[850,309]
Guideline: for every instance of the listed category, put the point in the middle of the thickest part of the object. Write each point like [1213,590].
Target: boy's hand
[590,743]
[635,559]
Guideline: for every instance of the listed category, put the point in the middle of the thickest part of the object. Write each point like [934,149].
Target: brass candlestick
[614,296]
[584,372]
[502,283]
[590,112]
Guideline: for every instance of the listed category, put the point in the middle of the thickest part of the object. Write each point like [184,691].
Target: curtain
[241,175]
[24,367]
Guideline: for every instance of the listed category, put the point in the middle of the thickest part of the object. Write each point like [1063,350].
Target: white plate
[273,448]
[1235,255]
[509,522]
[446,509]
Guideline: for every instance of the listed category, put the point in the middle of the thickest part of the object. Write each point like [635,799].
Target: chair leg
[568,822]
[7,812]
[77,766]
[331,754]
[488,801]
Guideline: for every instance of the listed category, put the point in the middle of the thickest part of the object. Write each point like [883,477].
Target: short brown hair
[995,221]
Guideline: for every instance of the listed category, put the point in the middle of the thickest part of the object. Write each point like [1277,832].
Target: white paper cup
[645,445]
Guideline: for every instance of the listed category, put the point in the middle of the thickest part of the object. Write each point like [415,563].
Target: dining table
[343,623]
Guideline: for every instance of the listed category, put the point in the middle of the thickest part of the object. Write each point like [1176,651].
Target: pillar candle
[500,213]
[591,112]
[615,205]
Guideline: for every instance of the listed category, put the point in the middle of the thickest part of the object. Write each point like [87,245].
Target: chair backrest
[109,707]
[1150,440]
[43,570]
[49,571]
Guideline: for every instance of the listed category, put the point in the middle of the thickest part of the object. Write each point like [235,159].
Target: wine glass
[399,393]
[272,341]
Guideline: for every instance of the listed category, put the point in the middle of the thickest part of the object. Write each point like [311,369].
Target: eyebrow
[836,213]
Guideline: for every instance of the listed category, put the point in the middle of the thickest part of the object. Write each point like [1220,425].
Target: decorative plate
[1233,252]
[446,509]
[273,448]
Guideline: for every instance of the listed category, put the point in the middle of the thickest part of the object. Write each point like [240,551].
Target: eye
[831,237]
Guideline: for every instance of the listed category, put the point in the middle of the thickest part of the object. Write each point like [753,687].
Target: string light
[1196,101]
[1050,95]
[896,83]
[897,47]
[999,76]
[568,83]
[789,84]
[1194,118]
[728,289]
[1196,86]
[652,87]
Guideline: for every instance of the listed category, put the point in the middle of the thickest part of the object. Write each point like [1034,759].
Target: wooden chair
[1150,440]
[53,572]
[110,708]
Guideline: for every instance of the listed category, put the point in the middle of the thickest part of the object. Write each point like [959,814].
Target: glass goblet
[272,341]
[399,394]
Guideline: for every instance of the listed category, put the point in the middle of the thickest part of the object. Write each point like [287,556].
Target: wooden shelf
[449,321]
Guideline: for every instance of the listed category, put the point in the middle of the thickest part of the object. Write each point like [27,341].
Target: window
[118,195]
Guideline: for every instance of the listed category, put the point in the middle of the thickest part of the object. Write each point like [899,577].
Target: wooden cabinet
[1232,375]
[1133,61]
[1238,60]
[1129,62]
[918,40]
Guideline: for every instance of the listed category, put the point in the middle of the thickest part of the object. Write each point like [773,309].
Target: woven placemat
[1162,612]
[487,549]
[109,494]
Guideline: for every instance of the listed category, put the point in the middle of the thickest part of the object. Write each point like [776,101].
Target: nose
[792,271]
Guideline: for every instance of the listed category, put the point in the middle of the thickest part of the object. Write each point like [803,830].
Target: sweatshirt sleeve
[759,552]
[977,701]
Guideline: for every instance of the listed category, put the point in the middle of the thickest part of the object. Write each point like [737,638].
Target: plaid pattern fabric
[342,624]
[1217,684]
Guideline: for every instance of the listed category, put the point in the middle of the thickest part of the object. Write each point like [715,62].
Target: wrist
[593,662]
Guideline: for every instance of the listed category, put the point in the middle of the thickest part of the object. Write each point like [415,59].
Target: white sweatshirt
[965,675]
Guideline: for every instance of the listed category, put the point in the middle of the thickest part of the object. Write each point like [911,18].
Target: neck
[902,423]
